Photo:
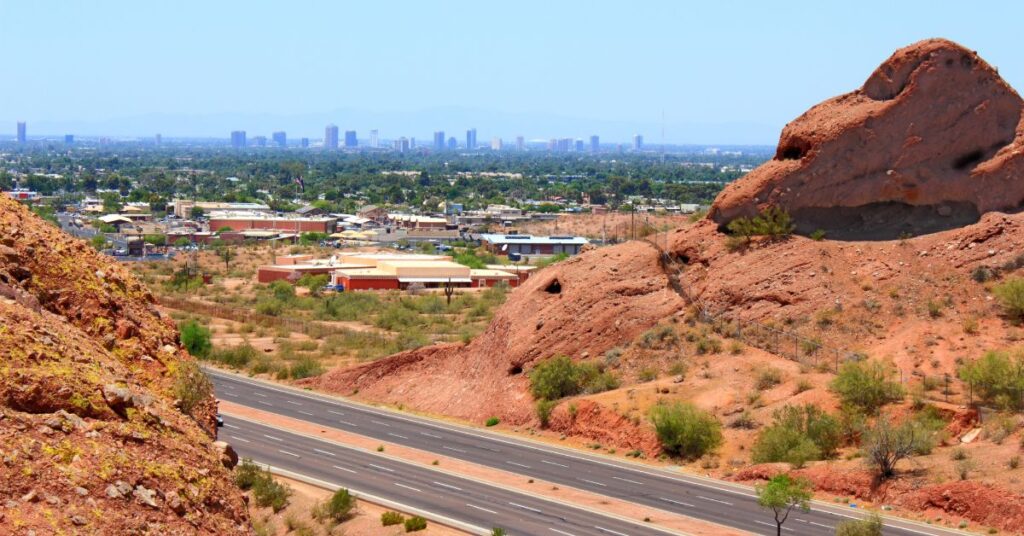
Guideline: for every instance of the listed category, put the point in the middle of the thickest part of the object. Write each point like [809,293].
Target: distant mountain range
[421,124]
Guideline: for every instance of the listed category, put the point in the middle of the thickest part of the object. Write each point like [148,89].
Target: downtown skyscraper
[439,140]
[471,139]
[238,139]
[351,142]
[330,137]
[22,137]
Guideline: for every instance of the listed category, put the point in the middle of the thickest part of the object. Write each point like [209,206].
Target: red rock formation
[932,140]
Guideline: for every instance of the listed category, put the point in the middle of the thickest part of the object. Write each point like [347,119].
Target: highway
[705,499]
[468,501]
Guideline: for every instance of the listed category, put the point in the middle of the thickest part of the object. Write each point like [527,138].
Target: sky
[709,72]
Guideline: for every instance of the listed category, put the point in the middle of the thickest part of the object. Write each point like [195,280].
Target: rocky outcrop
[91,440]
[933,140]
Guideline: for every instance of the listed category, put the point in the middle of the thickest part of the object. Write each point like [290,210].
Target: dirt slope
[90,437]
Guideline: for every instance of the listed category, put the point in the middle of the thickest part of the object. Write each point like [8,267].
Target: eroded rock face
[932,141]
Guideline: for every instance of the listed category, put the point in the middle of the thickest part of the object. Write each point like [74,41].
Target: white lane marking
[408,487]
[239,439]
[677,502]
[481,508]
[610,531]
[323,452]
[396,435]
[272,437]
[771,525]
[381,467]
[561,531]
[335,412]
[443,485]
[714,500]
[592,482]
[264,403]
[306,413]
[431,435]
[288,453]
[381,423]
[226,425]
[553,463]
[517,505]
[349,423]
[261,395]
[518,464]
[344,469]
[830,527]
[627,480]
[453,448]
[294,402]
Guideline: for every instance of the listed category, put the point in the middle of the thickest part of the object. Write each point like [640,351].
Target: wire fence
[810,352]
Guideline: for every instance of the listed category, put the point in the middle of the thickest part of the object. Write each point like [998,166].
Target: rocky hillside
[104,427]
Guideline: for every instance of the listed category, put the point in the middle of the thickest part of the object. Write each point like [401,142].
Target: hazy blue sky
[740,64]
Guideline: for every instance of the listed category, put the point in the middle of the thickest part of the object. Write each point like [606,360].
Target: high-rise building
[553,145]
[595,144]
[496,144]
[453,143]
[238,139]
[304,143]
[22,138]
[471,139]
[350,139]
[69,139]
[638,142]
[158,139]
[402,145]
[579,146]
[564,144]
[260,141]
[412,143]
[374,139]
[331,137]
[280,138]
[520,144]
[439,140]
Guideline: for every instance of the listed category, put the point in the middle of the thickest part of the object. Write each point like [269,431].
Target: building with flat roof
[238,139]
[350,139]
[22,137]
[183,207]
[502,244]
[330,137]
[252,220]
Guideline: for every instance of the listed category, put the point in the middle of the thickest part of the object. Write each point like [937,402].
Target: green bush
[796,435]
[267,492]
[866,385]
[415,523]
[870,526]
[270,307]
[685,430]
[543,408]
[998,379]
[559,377]
[236,357]
[493,421]
[388,519]
[338,508]
[774,223]
[196,339]
[247,473]
[191,386]
[1010,294]
[767,378]
[305,367]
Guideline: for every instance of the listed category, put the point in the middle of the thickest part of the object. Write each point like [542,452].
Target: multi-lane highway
[477,504]
[705,499]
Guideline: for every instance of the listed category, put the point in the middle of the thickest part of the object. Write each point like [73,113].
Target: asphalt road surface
[706,499]
[458,498]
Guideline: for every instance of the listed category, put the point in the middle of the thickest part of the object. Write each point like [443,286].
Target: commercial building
[304,143]
[638,142]
[252,220]
[69,139]
[595,144]
[453,143]
[471,139]
[501,244]
[330,137]
[22,136]
[183,207]
[415,221]
[260,141]
[374,139]
[520,143]
[280,139]
[579,146]
[238,139]
[350,139]
[439,140]
[397,271]
[496,144]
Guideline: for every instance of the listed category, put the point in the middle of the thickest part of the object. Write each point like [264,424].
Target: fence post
[837,361]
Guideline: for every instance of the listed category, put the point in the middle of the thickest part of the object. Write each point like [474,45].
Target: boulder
[228,456]
[930,142]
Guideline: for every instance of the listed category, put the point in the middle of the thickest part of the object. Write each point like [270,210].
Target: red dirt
[90,435]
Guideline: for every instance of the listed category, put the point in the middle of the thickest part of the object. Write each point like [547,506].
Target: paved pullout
[710,500]
[465,500]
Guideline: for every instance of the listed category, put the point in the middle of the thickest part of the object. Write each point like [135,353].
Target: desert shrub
[647,374]
[493,421]
[659,337]
[247,473]
[415,523]
[707,344]
[305,367]
[1010,294]
[282,290]
[236,357]
[685,430]
[315,283]
[869,526]
[338,508]
[196,338]
[796,435]
[191,387]
[767,378]
[498,531]
[998,378]
[559,377]
[774,223]
[267,492]
[543,408]
[803,385]
[982,274]
[866,385]
[885,444]
[270,307]
[810,346]
[388,519]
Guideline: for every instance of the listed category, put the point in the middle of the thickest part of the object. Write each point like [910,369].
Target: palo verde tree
[781,495]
